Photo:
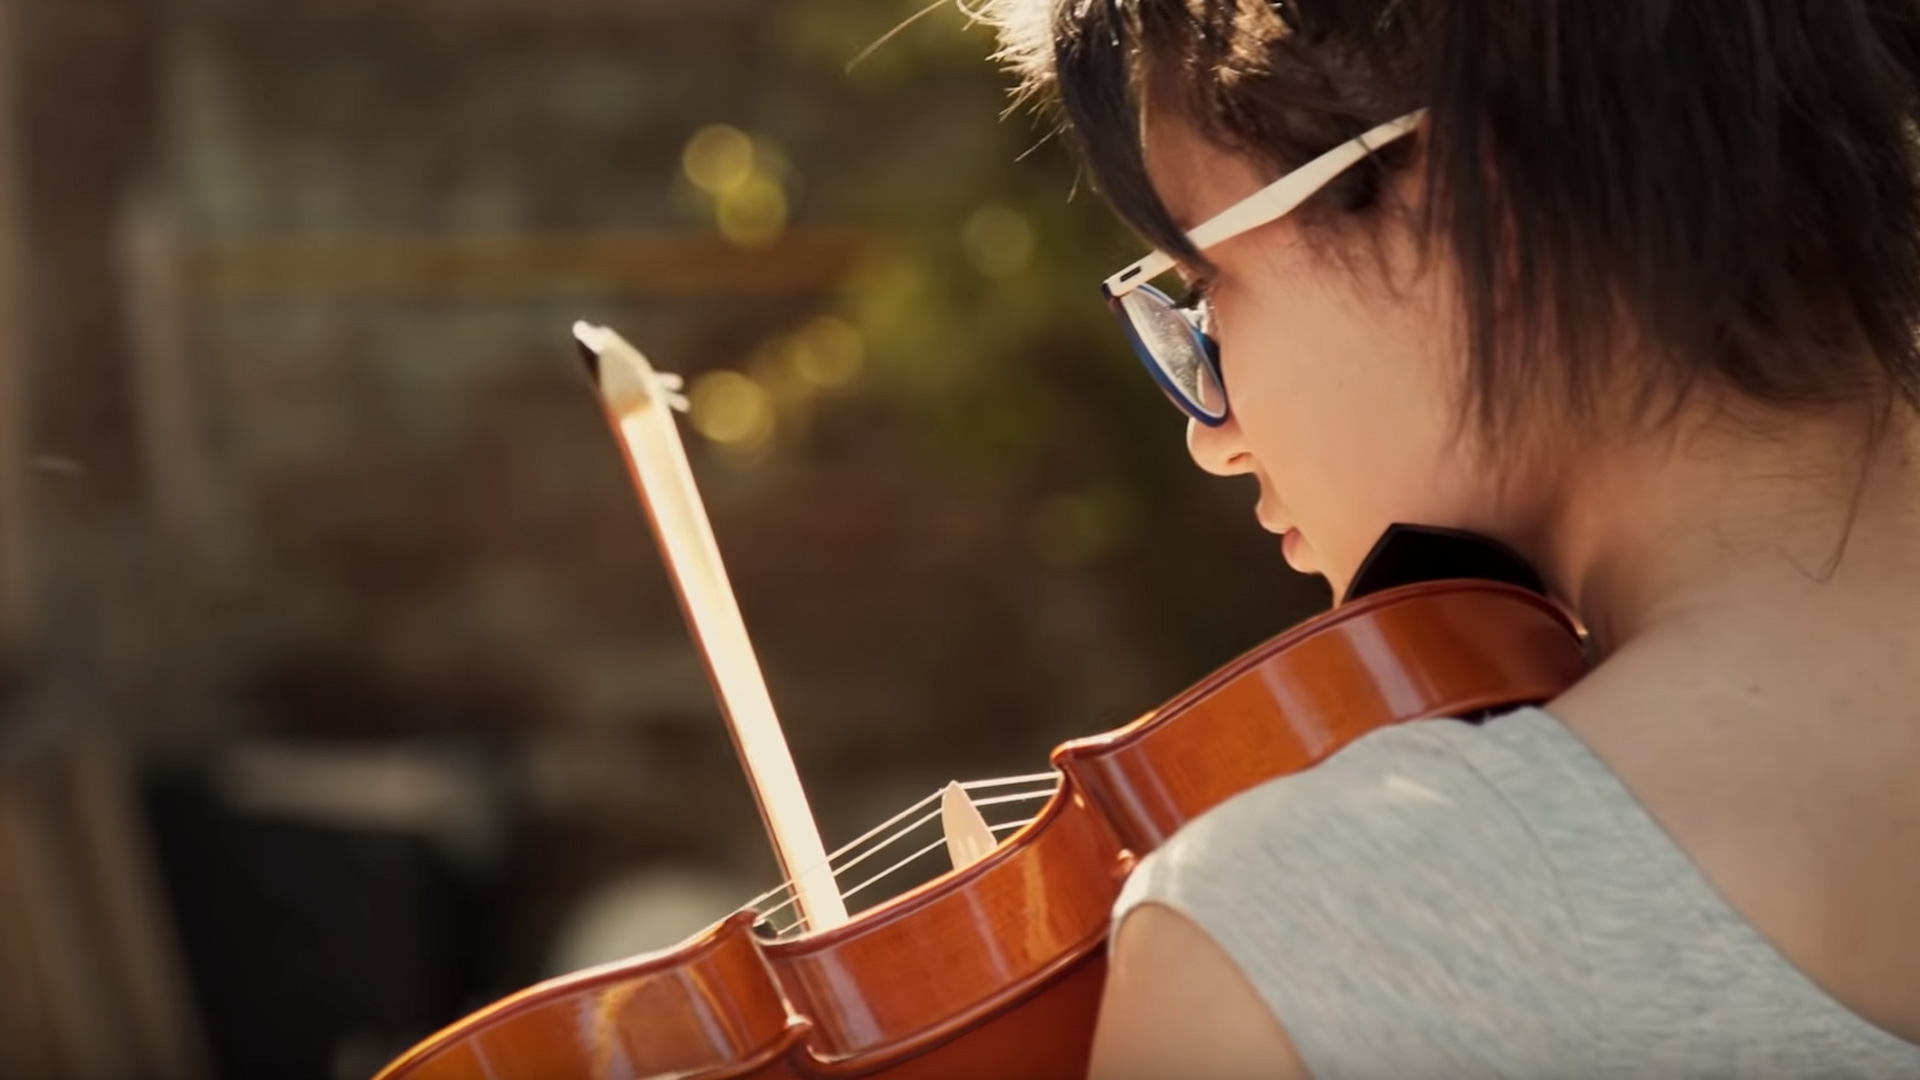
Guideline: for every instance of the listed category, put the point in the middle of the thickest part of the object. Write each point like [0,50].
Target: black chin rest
[1412,554]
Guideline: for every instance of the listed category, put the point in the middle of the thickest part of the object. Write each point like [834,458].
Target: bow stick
[639,403]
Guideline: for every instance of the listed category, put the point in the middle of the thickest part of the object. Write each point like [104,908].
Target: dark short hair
[1737,178]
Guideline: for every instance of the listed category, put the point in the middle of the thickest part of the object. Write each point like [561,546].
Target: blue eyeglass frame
[1263,207]
[1206,349]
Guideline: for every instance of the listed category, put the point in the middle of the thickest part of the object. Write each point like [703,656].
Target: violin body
[996,970]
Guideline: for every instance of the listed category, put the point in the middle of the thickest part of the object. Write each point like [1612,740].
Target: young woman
[1632,286]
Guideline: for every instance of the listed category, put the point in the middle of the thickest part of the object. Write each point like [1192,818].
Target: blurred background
[343,689]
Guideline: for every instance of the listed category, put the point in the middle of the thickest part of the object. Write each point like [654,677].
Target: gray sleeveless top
[1442,900]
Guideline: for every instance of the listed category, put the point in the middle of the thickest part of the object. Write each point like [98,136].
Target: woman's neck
[1722,520]
[1751,592]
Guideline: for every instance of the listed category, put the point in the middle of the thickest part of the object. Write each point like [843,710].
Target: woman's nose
[1220,450]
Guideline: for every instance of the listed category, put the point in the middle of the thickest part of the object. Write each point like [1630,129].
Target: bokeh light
[999,242]
[734,410]
[744,182]
[754,214]
[828,353]
[718,159]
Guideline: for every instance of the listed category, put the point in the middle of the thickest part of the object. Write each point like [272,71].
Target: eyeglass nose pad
[1197,319]
[1200,320]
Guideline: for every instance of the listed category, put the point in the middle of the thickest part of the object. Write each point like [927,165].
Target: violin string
[882,827]
[768,914]
[898,835]
[1049,777]
[891,870]
[1024,796]
[864,856]
[1005,781]
[856,842]
[1052,779]
[906,830]
[792,900]
[1003,827]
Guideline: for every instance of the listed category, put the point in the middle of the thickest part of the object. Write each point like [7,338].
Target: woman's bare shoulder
[1177,1005]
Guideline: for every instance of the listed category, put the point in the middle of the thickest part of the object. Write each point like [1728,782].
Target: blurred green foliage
[976,302]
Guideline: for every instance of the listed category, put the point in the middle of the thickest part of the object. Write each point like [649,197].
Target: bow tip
[590,339]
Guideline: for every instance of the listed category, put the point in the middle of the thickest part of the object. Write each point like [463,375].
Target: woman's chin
[1293,547]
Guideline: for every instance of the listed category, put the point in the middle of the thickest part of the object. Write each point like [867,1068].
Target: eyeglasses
[1174,340]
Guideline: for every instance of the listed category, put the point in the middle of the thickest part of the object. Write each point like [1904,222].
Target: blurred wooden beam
[27,1047]
[16,573]
[665,265]
[92,986]
[85,1033]
[92,967]
[455,12]
[131,921]
[181,488]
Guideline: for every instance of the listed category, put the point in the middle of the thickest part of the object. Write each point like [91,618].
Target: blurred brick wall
[427,505]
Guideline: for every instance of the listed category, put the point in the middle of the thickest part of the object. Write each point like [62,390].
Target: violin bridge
[968,838]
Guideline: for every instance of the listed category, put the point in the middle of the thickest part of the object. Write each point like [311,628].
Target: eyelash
[1199,301]
[1199,291]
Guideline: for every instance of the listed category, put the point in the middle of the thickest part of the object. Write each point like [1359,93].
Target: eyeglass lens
[1173,345]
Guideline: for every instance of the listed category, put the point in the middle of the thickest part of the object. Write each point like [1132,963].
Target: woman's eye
[1199,303]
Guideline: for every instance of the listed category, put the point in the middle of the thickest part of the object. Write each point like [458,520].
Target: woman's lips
[1290,543]
[1269,521]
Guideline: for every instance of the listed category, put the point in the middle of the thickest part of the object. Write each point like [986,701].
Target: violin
[995,967]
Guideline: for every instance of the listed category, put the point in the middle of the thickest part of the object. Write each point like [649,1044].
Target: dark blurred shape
[91,984]
[312,942]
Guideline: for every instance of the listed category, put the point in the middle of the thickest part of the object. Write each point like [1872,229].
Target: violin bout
[995,969]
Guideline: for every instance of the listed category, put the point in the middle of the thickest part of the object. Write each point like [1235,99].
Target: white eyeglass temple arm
[1269,203]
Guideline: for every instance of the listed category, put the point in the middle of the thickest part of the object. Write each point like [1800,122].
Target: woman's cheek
[1345,500]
